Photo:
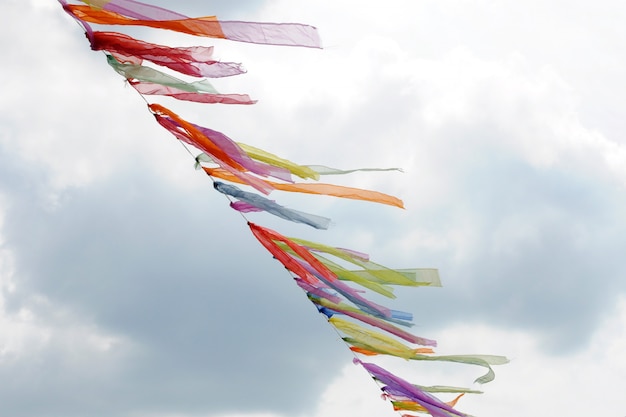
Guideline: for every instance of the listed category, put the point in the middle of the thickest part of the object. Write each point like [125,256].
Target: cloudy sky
[128,288]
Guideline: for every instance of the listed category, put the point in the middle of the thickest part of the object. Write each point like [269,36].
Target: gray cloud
[544,253]
[207,314]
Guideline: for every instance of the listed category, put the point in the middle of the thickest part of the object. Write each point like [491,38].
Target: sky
[128,288]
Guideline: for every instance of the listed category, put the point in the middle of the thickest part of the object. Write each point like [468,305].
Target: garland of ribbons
[368,329]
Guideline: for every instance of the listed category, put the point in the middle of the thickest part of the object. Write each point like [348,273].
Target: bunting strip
[334,279]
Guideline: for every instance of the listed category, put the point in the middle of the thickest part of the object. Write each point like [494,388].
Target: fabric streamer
[147,88]
[272,207]
[336,280]
[397,387]
[196,61]
[322,189]
[280,34]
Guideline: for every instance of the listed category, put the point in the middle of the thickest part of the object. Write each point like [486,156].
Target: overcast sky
[129,288]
